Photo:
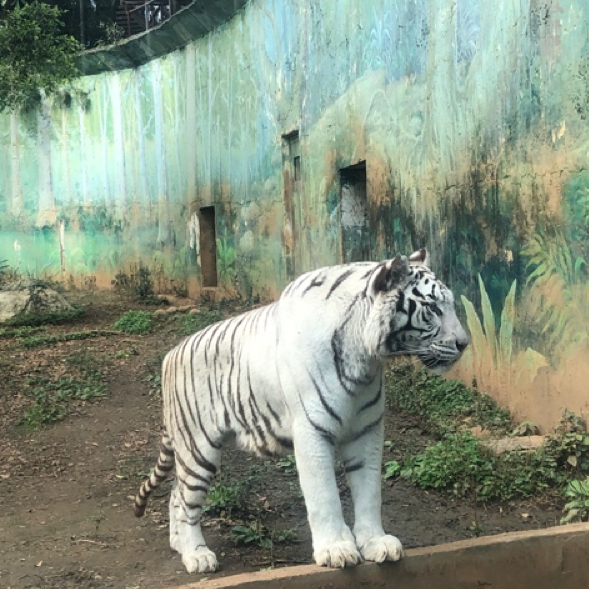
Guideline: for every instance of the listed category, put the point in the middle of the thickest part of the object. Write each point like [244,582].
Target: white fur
[314,360]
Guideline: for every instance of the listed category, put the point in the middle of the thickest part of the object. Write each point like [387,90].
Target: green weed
[138,283]
[569,445]
[136,322]
[51,398]
[34,341]
[226,499]
[124,354]
[461,466]
[445,404]
[18,332]
[287,464]
[577,508]
[223,498]
[392,470]
[257,533]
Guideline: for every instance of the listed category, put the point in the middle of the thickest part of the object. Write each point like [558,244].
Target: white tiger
[303,373]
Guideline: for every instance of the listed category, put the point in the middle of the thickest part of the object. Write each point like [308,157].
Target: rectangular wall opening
[208,246]
[354,213]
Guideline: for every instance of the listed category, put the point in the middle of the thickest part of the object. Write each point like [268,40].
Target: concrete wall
[471,116]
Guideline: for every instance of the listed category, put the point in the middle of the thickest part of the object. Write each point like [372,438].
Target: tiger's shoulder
[331,282]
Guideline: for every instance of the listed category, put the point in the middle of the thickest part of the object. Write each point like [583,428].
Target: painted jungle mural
[470,117]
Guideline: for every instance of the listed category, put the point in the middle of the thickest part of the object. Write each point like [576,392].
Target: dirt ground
[66,517]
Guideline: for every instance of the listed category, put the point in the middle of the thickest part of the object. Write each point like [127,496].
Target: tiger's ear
[420,258]
[389,274]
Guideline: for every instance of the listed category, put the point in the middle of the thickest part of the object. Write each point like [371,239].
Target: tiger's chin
[437,365]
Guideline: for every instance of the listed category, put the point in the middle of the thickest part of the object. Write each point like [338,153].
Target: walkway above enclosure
[188,24]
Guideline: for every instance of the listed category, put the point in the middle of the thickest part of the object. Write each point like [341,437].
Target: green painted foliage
[227,257]
[562,284]
[497,346]
[36,56]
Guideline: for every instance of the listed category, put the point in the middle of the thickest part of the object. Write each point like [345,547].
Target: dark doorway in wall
[292,197]
[354,213]
[208,246]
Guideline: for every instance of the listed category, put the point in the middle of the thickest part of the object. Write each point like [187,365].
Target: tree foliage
[36,56]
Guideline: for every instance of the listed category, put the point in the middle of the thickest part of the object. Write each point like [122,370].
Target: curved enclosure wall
[321,132]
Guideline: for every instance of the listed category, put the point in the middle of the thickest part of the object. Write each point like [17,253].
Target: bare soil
[66,517]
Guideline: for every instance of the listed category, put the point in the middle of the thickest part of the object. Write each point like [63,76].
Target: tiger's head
[413,314]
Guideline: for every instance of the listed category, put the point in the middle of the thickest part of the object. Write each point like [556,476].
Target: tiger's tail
[165,463]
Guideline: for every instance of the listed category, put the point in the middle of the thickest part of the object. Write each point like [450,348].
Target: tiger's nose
[461,344]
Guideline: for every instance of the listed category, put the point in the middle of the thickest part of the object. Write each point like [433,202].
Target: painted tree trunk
[190,129]
[46,213]
[103,109]
[163,235]
[143,186]
[441,119]
[120,189]
[65,156]
[16,201]
[83,156]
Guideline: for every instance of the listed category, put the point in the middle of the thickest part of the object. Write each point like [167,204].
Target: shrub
[136,322]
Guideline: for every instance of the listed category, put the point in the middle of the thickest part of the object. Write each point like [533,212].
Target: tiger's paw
[338,555]
[202,560]
[382,548]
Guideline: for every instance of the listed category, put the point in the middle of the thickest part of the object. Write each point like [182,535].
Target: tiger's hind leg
[194,475]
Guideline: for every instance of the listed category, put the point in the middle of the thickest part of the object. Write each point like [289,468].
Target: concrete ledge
[554,558]
[190,23]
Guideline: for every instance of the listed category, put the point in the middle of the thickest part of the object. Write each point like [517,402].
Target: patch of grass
[192,322]
[18,332]
[49,318]
[136,322]
[444,404]
[124,354]
[34,341]
[226,499]
[257,533]
[51,398]
[461,466]
[154,381]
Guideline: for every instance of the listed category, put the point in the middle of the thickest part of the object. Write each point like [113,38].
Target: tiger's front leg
[362,459]
[333,542]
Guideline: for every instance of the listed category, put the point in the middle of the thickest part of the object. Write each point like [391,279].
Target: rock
[514,444]
[30,296]
[526,428]
[478,432]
